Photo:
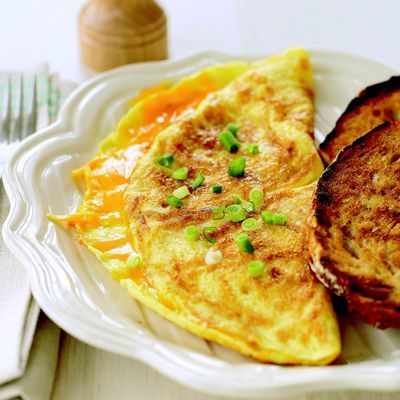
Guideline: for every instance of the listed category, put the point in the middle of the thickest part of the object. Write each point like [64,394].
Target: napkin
[28,340]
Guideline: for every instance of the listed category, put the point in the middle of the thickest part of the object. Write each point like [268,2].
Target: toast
[374,105]
[354,229]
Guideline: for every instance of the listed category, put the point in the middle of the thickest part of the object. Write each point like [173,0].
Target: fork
[19,116]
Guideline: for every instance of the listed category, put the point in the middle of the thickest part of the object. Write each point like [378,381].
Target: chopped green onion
[209,229]
[174,201]
[279,219]
[249,224]
[181,192]
[229,141]
[198,181]
[270,218]
[233,128]
[191,233]
[235,213]
[218,213]
[243,242]
[250,208]
[133,261]
[180,174]
[236,200]
[256,196]
[237,166]
[166,160]
[255,268]
[217,189]
[267,217]
[252,148]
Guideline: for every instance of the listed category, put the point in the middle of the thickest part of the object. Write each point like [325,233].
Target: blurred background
[32,32]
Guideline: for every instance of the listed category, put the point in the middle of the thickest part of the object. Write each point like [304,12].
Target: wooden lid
[117,32]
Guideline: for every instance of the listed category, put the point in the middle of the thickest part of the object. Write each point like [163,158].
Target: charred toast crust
[370,98]
[369,297]
[371,311]
[369,92]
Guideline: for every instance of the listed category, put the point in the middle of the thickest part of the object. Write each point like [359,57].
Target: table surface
[46,30]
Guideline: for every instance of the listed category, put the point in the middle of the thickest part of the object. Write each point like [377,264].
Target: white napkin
[36,382]
[28,348]
[26,371]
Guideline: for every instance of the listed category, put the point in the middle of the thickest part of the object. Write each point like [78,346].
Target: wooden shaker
[117,32]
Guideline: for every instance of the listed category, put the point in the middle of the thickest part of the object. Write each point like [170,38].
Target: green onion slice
[233,128]
[174,201]
[198,181]
[250,208]
[235,213]
[217,189]
[267,217]
[180,174]
[218,213]
[255,268]
[249,224]
[256,196]
[270,218]
[229,141]
[205,233]
[166,160]
[191,233]
[252,148]
[133,261]
[236,200]
[279,219]
[236,167]
[243,242]
[181,192]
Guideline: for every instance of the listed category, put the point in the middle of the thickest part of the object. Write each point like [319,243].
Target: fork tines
[17,108]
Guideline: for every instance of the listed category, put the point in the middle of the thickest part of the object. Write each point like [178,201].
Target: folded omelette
[197,204]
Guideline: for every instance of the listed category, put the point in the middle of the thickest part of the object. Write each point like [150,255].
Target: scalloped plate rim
[281,381]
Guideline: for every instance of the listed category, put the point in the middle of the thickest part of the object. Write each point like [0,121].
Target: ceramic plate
[79,295]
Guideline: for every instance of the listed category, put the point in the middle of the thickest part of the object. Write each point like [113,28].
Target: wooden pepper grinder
[117,32]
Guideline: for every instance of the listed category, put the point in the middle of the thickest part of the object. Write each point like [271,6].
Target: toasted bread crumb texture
[374,105]
[355,229]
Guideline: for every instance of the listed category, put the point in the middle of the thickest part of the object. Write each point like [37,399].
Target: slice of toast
[354,231]
[375,104]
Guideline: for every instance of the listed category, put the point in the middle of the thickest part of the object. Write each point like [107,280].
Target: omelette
[197,204]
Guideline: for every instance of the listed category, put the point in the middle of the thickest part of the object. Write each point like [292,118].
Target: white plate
[79,295]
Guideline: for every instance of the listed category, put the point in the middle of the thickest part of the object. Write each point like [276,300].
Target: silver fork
[19,117]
